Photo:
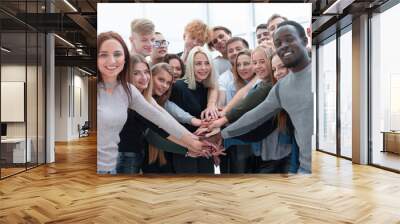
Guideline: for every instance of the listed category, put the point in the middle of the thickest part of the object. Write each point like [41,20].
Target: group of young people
[244,111]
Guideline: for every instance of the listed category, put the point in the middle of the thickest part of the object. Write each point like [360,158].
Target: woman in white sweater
[115,96]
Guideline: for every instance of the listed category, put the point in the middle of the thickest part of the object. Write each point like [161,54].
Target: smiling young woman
[114,98]
[191,94]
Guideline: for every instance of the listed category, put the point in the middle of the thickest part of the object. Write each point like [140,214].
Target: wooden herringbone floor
[70,191]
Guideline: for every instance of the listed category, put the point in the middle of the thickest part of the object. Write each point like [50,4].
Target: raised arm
[243,106]
[151,113]
[162,119]
[249,102]
[212,110]
[255,117]
[178,113]
[239,96]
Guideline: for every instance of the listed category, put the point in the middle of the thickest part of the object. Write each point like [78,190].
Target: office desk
[391,141]
[16,147]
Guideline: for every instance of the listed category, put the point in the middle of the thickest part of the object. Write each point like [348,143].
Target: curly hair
[199,30]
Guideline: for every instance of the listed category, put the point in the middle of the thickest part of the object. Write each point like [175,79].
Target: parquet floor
[70,191]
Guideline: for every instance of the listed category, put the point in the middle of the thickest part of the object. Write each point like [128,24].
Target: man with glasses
[160,49]
[142,37]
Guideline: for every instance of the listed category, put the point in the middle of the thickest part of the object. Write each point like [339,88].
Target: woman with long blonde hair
[191,94]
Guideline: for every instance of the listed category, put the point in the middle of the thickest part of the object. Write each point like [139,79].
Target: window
[346,94]
[327,96]
[385,88]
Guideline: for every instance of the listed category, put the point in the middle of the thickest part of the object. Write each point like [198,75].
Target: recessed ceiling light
[64,40]
[70,5]
[5,50]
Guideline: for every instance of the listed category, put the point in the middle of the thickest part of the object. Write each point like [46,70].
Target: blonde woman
[191,94]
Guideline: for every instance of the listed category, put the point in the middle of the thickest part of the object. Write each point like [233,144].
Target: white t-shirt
[226,83]
[221,65]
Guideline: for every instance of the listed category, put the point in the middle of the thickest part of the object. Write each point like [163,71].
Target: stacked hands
[209,136]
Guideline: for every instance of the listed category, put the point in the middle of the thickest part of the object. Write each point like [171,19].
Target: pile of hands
[209,134]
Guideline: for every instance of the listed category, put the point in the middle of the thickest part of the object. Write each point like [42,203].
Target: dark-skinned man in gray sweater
[292,93]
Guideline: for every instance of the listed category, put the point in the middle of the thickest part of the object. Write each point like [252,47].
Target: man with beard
[292,93]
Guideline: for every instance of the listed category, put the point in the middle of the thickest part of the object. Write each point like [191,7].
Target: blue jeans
[129,162]
[113,172]
[284,138]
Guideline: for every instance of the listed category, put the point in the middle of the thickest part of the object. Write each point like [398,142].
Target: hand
[196,122]
[200,148]
[210,113]
[221,113]
[213,137]
[216,155]
[201,131]
[217,151]
[193,154]
[217,123]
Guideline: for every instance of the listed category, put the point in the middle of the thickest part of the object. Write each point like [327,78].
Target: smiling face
[233,49]
[140,76]
[278,68]
[262,35]
[161,49]
[261,64]
[162,81]
[142,43]
[289,46]
[244,67]
[176,67]
[220,37]
[202,67]
[110,60]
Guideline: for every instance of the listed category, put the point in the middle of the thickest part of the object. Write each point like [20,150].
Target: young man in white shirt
[220,36]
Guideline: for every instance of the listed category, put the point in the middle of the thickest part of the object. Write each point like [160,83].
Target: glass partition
[327,96]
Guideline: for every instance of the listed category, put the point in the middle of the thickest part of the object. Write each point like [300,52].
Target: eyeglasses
[160,43]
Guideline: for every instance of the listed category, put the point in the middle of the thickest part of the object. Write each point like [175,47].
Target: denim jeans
[113,172]
[129,162]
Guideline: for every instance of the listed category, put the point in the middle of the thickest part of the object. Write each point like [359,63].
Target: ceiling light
[70,5]
[84,71]
[338,6]
[5,50]
[64,40]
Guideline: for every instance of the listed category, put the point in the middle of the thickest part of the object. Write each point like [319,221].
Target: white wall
[70,83]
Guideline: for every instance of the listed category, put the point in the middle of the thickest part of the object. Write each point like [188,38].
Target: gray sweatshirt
[112,115]
[293,94]
[177,112]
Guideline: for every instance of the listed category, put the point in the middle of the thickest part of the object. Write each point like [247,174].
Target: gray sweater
[293,94]
[177,112]
[112,115]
